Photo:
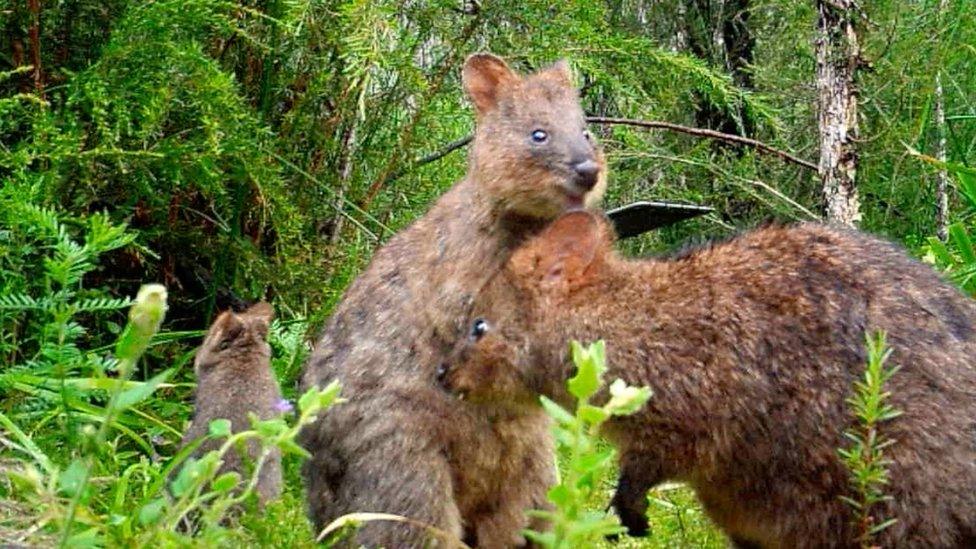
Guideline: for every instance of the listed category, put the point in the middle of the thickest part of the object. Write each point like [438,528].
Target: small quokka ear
[225,329]
[259,317]
[484,76]
[262,310]
[561,72]
[563,254]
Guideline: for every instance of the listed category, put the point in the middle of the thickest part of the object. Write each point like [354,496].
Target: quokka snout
[751,347]
[234,379]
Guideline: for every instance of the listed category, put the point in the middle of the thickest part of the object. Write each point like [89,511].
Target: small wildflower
[284,406]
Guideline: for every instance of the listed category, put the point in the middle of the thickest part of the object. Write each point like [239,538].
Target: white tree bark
[941,177]
[838,57]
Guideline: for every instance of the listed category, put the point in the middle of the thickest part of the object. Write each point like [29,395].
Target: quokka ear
[227,328]
[259,317]
[564,255]
[262,310]
[562,73]
[484,76]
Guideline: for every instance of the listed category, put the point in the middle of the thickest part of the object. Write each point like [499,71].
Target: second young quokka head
[752,348]
[234,379]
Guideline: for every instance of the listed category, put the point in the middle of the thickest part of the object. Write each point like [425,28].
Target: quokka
[751,347]
[234,379]
[400,444]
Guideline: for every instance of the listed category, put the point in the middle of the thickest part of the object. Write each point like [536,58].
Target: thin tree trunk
[837,62]
[345,176]
[35,44]
[719,31]
[941,177]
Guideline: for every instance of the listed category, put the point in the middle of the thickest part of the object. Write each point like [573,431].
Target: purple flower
[284,406]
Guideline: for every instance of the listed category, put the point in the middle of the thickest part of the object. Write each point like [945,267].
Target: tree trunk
[837,62]
[941,177]
[719,31]
[35,44]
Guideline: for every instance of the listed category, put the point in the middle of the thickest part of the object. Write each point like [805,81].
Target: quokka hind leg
[637,476]
[503,527]
[406,477]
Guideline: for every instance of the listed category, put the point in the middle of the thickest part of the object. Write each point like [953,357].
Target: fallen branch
[647,124]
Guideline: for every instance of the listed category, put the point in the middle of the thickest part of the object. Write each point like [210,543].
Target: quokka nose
[587,173]
[441,373]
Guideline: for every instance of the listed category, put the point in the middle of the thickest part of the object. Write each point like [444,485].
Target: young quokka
[234,379]
[752,347]
[399,444]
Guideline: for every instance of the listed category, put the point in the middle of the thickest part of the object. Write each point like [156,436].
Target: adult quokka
[400,444]
[234,379]
[751,347]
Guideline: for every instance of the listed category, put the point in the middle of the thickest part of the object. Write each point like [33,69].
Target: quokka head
[236,338]
[531,129]
[517,345]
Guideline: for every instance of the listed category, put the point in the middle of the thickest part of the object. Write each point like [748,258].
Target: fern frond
[101,304]
[19,302]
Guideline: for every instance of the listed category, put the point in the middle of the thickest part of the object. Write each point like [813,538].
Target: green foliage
[574,522]
[957,256]
[140,504]
[239,150]
[865,457]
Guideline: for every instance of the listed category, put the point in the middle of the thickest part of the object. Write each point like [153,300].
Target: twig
[710,134]
[354,518]
[432,157]
[647,124]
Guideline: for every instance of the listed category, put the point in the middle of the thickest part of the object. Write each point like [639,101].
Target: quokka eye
[479,328]
[224,345]
[540,136]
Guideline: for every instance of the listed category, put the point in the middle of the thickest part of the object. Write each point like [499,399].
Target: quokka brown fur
[234,379]
[400,444]
[751,347]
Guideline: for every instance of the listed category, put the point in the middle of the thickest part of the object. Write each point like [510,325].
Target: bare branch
[646,124]
[706,133]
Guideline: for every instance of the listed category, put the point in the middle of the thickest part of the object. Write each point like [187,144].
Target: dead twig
[646,124]
[709,134]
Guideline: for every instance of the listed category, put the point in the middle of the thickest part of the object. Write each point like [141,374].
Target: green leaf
[560,495]
[141,391]
[557,412]
[547,539]
[589,368]
[967,186]
[330,394]
[592,415]
[152,511]
[71,480]
[964,245]
[289,446]
[596,460]
[84,539]
[315,399]
[186,478]
[225,482]
[268,428]
[219,428]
